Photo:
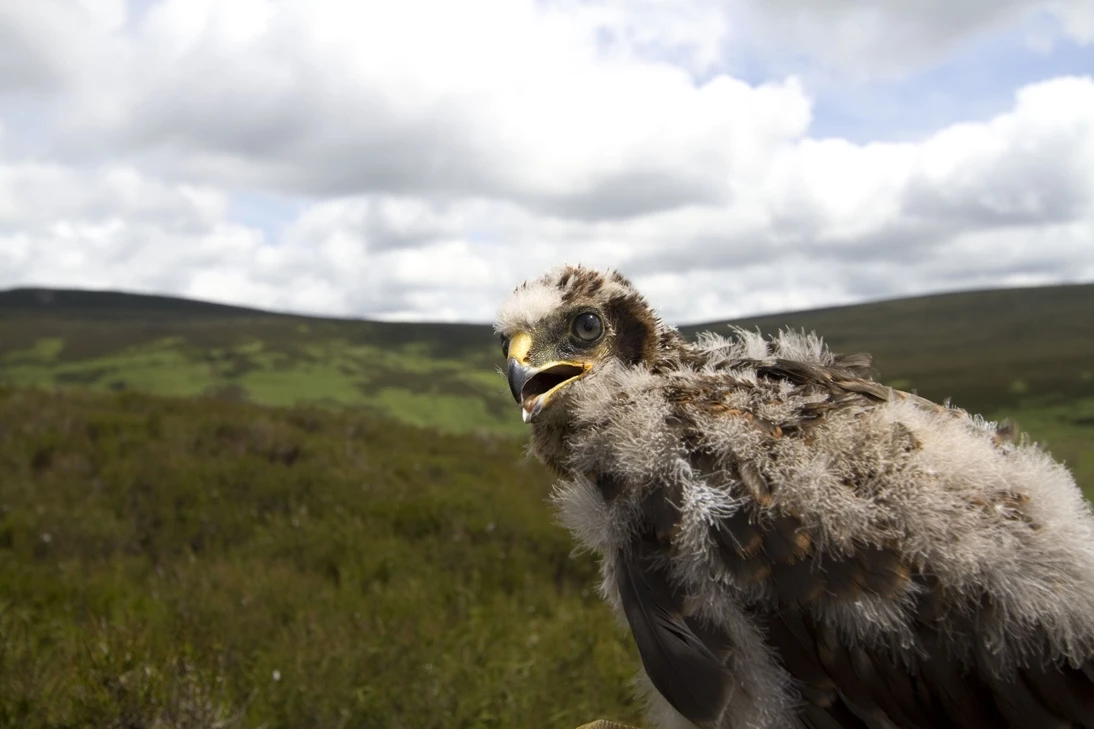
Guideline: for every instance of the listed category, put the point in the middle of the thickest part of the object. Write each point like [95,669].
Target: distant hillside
[74,305]
[113,304]
[985,349]
[1025,352]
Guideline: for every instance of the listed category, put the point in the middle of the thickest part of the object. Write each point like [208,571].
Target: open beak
[533,387]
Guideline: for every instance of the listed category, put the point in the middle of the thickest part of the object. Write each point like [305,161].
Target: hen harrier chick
[793,544]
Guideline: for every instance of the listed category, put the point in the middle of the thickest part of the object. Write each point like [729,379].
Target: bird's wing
[684,660]
[848,684]
[947,682]
[844,684]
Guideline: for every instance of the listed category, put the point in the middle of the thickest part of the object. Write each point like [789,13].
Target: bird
[791,543]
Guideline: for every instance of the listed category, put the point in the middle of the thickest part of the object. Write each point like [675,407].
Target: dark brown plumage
[792,543]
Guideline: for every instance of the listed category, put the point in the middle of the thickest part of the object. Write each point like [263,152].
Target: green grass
[272,362]
[1064,429]
[175,563]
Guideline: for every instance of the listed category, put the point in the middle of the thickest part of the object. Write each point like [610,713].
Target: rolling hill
[1024,353]
[435,375]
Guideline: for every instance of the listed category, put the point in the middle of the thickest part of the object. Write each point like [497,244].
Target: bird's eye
[587,327]
[505,347]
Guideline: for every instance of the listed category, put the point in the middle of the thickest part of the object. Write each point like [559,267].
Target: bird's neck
[551,444]
[674,354]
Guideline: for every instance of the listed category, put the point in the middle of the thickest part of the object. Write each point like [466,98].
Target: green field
[170,564]
[213,516]
[439,376]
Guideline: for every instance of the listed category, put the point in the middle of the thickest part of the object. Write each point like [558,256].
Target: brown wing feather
[957,697]
[1018,704]
[683,658]
[846,685]
[843,685]
[835,717]
[935,691]
[1067,691]
[681,665]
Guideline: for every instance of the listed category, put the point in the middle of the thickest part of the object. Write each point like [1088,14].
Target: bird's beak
[533,386]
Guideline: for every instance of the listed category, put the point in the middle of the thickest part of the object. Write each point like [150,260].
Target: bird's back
[794,544]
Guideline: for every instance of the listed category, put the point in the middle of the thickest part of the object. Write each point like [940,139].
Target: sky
[417,160]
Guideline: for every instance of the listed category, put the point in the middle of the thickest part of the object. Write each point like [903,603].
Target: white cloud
[39,193]
[881,37]
[439,153]
[999,172]
[501,98]
[1076,19]
[891,38]
[44,43]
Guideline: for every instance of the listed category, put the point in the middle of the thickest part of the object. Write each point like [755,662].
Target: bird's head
[561,327]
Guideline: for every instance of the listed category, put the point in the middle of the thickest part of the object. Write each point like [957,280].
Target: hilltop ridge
[1026,354]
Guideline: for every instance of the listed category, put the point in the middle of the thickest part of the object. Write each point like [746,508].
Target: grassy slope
[171,563]
[1026,354]
[435,375]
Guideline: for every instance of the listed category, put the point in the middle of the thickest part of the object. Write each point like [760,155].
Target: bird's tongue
[529,408]
[532,395]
